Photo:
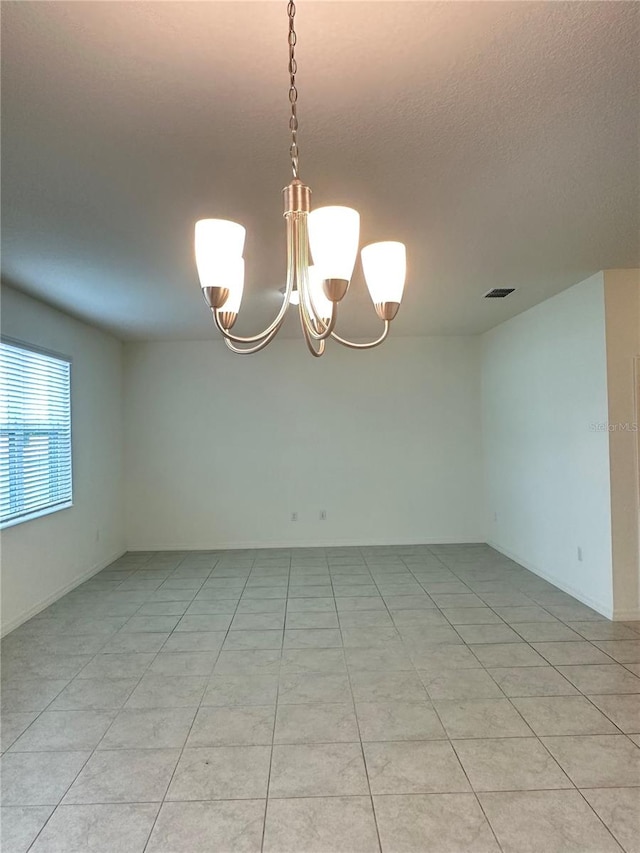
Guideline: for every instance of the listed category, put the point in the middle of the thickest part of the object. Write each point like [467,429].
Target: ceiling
[499,141]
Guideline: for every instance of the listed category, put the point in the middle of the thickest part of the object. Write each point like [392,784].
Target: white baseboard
[600,607]
[303,543]
[12,624]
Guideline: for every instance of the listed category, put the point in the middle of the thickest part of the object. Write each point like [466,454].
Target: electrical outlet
[323,515]
[579,554]
[294,516]
[495,516]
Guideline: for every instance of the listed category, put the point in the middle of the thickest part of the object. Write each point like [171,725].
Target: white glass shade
[229,275]
[385,269]
[334,233]
[321,305]
[217,242]
[234,281]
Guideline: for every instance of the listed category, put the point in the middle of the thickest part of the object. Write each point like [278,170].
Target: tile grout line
[357,718]
[163,800]
[275,715]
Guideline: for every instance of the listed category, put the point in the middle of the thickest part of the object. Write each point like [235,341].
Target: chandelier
[331,233]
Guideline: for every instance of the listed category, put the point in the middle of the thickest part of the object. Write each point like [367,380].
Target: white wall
[43,558]
[220,449]
[544,387]
[622,311]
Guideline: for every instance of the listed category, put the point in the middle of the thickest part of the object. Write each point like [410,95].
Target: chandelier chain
[293,92]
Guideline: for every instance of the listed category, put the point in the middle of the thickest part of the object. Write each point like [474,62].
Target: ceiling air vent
[499,292]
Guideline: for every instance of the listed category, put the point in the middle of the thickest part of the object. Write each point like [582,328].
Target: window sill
[33,515]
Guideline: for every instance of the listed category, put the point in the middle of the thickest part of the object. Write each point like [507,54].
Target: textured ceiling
[498,140]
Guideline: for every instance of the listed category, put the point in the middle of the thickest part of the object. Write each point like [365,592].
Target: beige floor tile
[241,690]
[444,657]
[518,615]
[593,761]
[183,663]
[38,778]
[603,630]
[321,619]
[258,622]
[316,723]
[117,666]
[540,632]
[320,825]
[532,681]
[154,624]
[304,688]
[471,616]
[563,715]
[316,770]
[149,728]
[623,710]
[159,691]
[94,694]
[416,767]
[392,658]
[65,730]
[233,725]
[194,641]
[568,654]
[221,773]
[252,662]
[19,826]
[623,651]
[13,725]
[298,661]
[124,776]
[20,696]
[619,809]
[448,823]
[213,827]
[598,678]
[312,638]
[481,718]
[398,721]
[507,655]
[97,828]
[509,764]
[141,643]
[460,684]
[372,686]
[549,821]
[209,622]
[488,634]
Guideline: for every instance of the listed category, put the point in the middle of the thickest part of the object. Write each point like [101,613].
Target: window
[35,433]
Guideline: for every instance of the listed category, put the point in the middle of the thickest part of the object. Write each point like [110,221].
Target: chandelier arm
[313,323]
[256,348]
[277,323]
[307,337]
[315,353]
[269,333]
[370,345]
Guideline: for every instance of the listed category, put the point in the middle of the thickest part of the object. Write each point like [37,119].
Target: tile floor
[336,700]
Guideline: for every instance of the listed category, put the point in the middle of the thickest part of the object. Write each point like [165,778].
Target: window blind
[35,433]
